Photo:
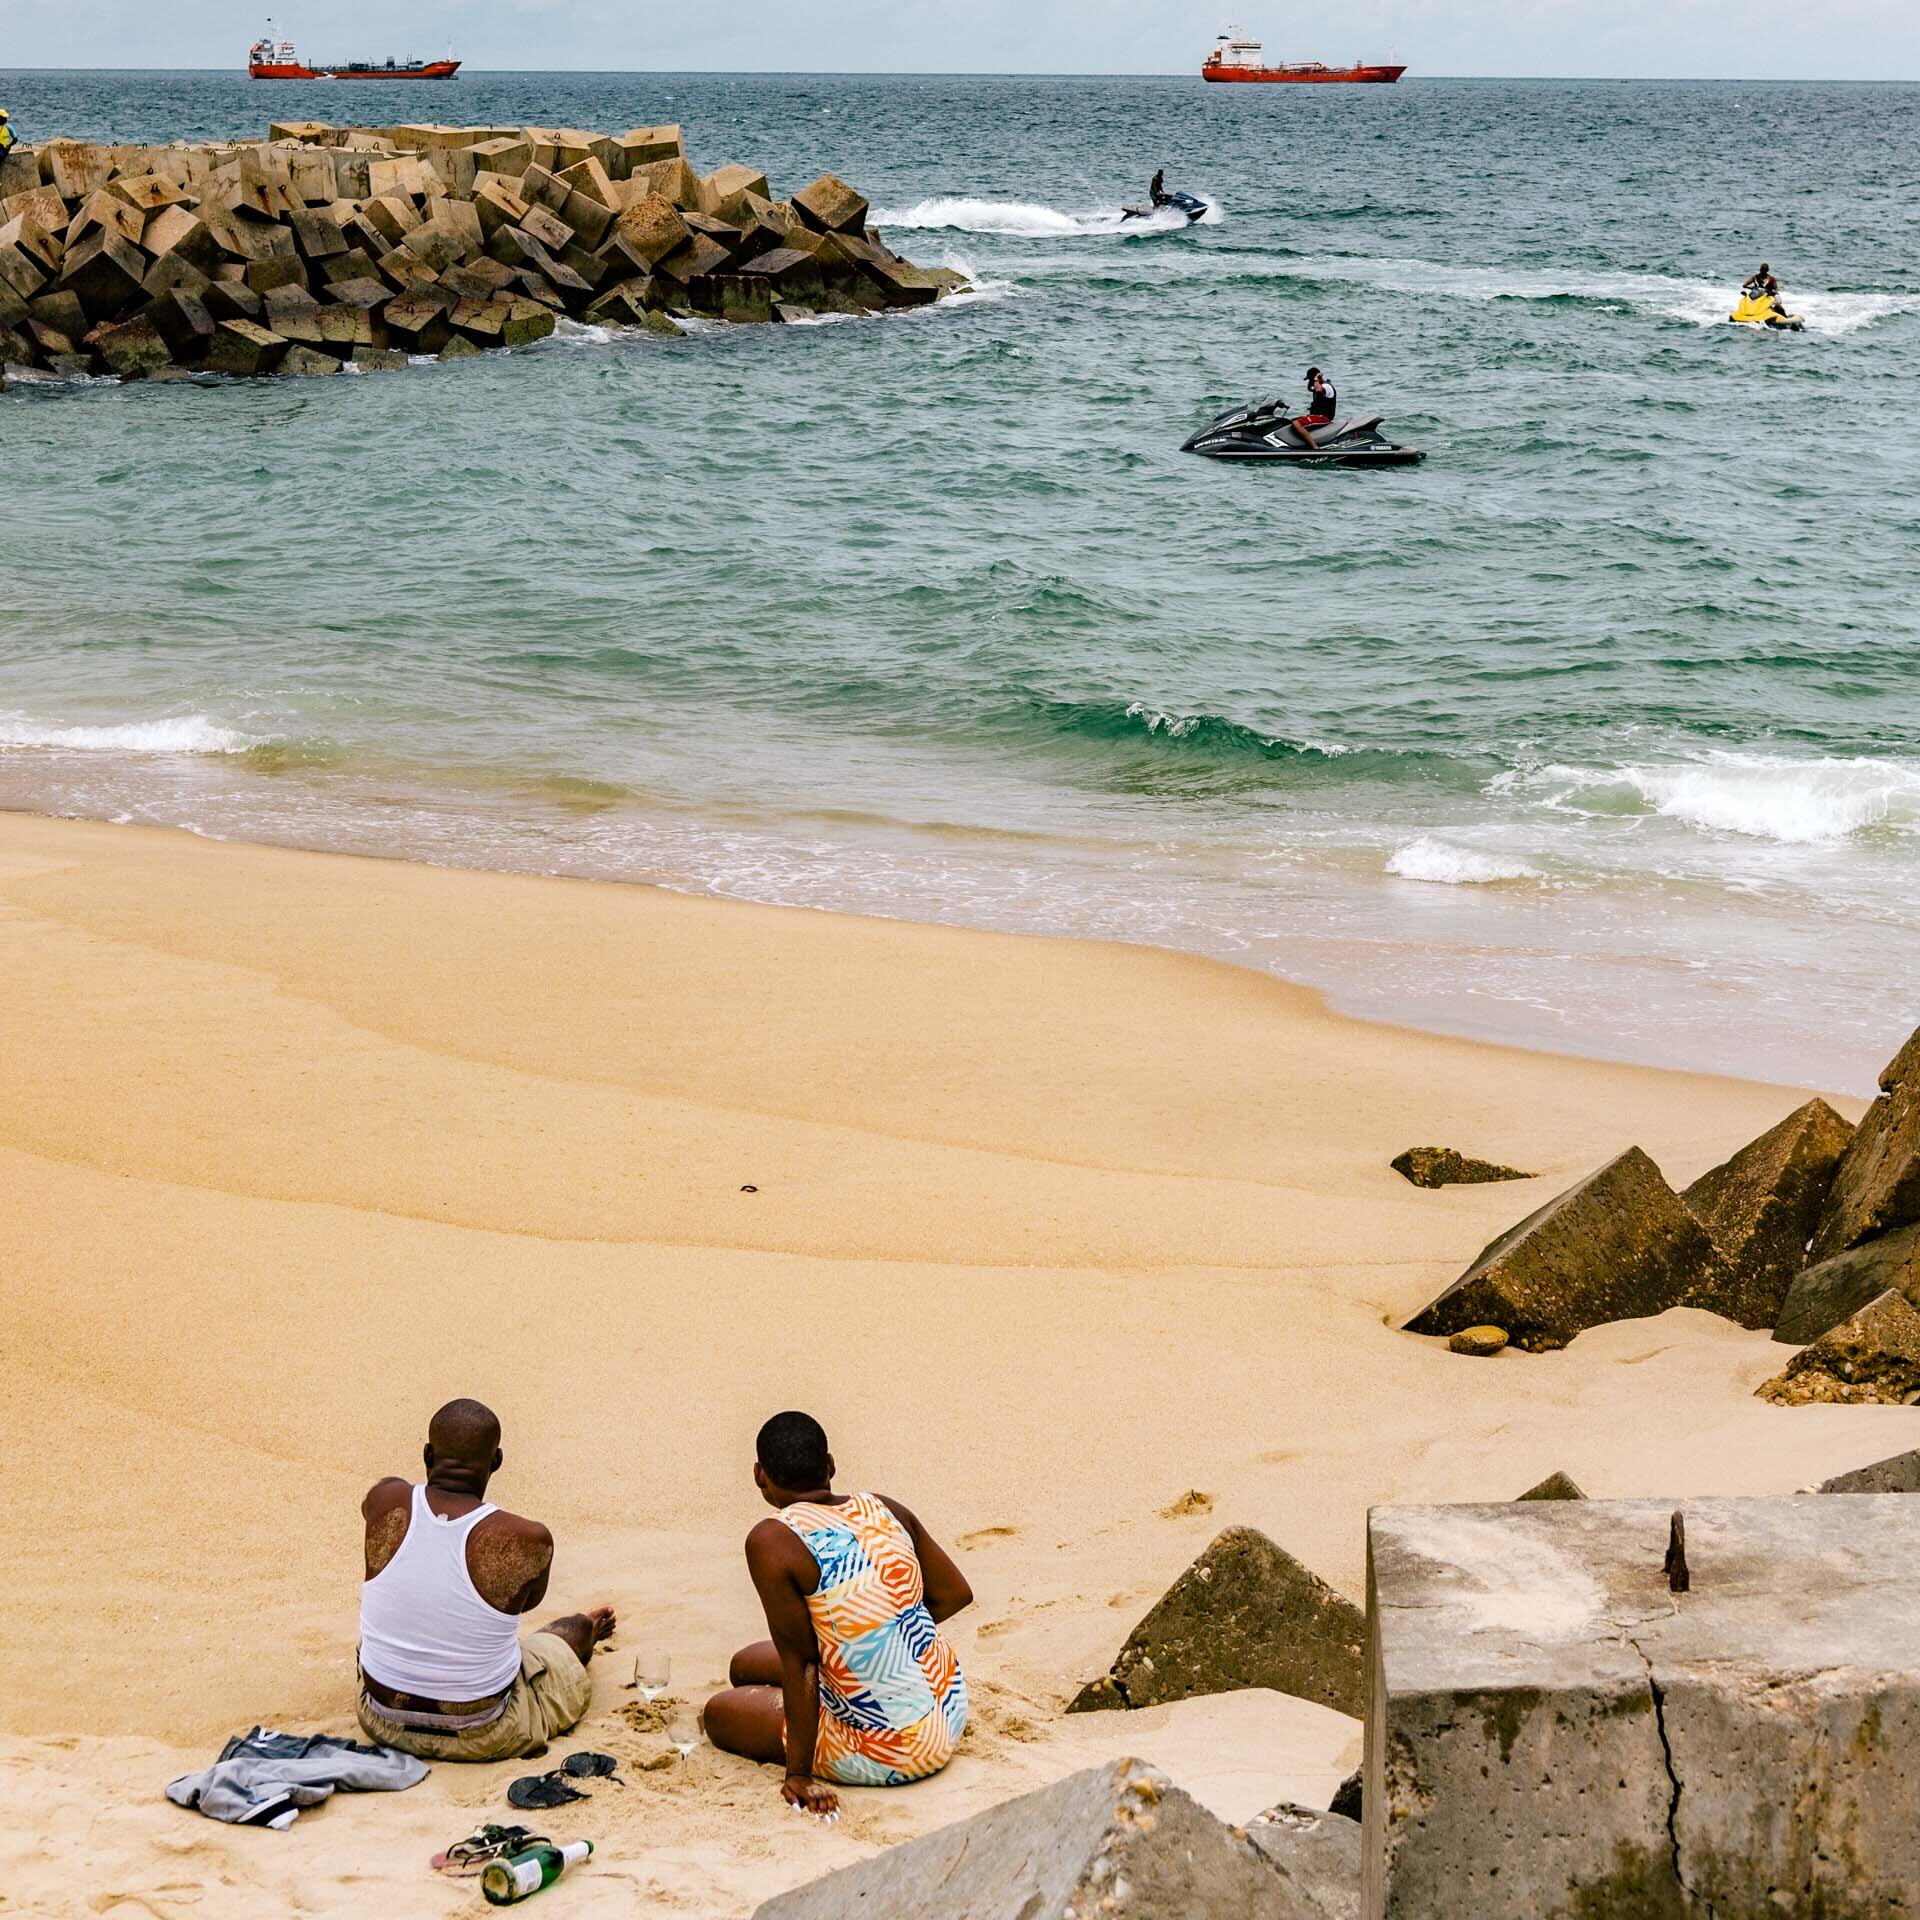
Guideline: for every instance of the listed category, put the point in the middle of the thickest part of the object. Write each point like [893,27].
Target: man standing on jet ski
[1323,403]
[1157,194]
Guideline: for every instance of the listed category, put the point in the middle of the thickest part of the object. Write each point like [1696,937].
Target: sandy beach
[294,1147]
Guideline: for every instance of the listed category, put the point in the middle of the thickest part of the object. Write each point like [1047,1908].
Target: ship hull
[1314,77]
[430,70]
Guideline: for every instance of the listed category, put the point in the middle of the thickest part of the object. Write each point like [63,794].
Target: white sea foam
[1703,303]
[1029,220]
[1762,796]
[1447,865]
[186,733]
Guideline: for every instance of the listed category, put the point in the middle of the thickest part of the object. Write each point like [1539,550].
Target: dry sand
[294,1147]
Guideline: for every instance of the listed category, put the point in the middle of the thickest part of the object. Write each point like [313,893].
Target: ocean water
[1600,730]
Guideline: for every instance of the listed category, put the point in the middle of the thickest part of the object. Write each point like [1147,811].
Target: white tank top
[424,1629]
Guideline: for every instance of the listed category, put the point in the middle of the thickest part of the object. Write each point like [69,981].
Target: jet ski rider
[1761,283]
[1323,402]
[1157,194]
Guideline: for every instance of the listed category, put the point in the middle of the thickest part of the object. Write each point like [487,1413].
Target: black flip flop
[542,1790]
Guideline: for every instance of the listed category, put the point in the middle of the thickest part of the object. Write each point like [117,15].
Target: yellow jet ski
[1765,310]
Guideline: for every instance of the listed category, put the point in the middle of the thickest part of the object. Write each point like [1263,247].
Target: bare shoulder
[385,1495]
[769,1538]
[506,1554]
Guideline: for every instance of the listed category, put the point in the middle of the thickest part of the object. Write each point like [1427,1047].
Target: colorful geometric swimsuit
[892,1697]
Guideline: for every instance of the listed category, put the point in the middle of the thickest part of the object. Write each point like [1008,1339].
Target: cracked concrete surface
[1556,1734]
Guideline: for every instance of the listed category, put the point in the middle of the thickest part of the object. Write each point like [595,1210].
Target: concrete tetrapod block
[1557,1736]
[1877,1184]
[1245,1614]
[1619,1246]
[1762,1207]
[1120,1839]
[1317,1854]
[1826,1294]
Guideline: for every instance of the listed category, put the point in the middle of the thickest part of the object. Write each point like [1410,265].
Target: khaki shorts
[551,1694]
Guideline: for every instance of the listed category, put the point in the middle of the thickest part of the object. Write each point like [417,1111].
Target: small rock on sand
[1482,1342]
[1448,1167]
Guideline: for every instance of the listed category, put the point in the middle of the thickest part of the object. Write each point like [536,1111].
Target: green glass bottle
[521,1875]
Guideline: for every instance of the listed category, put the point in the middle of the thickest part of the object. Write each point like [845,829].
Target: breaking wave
[1760,796]
[1029,220]
[188,733]
[1450,866]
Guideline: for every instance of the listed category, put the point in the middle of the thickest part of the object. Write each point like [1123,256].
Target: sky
[1734,39]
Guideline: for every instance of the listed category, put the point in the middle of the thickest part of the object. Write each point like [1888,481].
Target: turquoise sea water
[1600,730]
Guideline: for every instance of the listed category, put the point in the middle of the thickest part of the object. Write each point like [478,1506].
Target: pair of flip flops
[489,1843]
[543,1790]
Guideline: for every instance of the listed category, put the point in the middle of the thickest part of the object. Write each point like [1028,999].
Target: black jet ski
[1189,204]
[1265,431]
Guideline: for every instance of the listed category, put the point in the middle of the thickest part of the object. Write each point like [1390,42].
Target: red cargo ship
[1235,57]
[271,59]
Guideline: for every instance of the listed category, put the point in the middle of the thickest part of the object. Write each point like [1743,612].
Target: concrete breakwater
[323,245]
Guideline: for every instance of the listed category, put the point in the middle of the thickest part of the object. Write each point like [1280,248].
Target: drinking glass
[683,1730]
[652,1673]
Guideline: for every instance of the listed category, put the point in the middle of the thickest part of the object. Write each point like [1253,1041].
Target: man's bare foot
[583,1631]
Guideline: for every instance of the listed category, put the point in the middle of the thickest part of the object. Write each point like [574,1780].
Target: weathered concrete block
[1824,1295]
[1876,1187]
[693,259]
[1554,1733]
[242,348]
[829,205]
[182,320]
[1619,1246]
[1898,1474]
[1245,1614]
[588,218]
[104,273]
[106,209]
[672,179]
[179,233]
[1317,1856]
[379,360]
[131,348]
[75,168]
[1448,1167]
[318,235]
[642,146]
[307,362]
[1117,1839]
[1871,1356]
[509,154]
[147,192]
[1762,1207]
[650,228]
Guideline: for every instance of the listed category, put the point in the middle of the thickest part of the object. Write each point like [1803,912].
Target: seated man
[1323,402]
[444,1673]
[856,1687]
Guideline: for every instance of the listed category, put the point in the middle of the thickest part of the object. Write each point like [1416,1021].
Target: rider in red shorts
[1322,403]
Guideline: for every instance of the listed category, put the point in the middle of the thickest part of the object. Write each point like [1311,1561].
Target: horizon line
[1022,73]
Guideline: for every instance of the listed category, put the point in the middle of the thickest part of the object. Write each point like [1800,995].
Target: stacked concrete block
[354,242]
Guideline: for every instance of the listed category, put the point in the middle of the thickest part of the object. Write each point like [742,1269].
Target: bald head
[464,1433]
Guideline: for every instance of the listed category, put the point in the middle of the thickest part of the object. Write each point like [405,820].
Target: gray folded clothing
[263,1779]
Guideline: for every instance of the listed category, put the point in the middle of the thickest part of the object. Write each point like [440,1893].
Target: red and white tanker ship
[1235,57]
[271,59]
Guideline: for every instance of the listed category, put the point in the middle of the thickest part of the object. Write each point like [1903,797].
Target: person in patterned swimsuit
[857,1687]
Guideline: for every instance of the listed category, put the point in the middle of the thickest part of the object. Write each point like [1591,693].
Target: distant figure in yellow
[443,1671]
[8,137]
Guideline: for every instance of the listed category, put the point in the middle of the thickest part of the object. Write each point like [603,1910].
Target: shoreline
[1050,1234]
[1382,997]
